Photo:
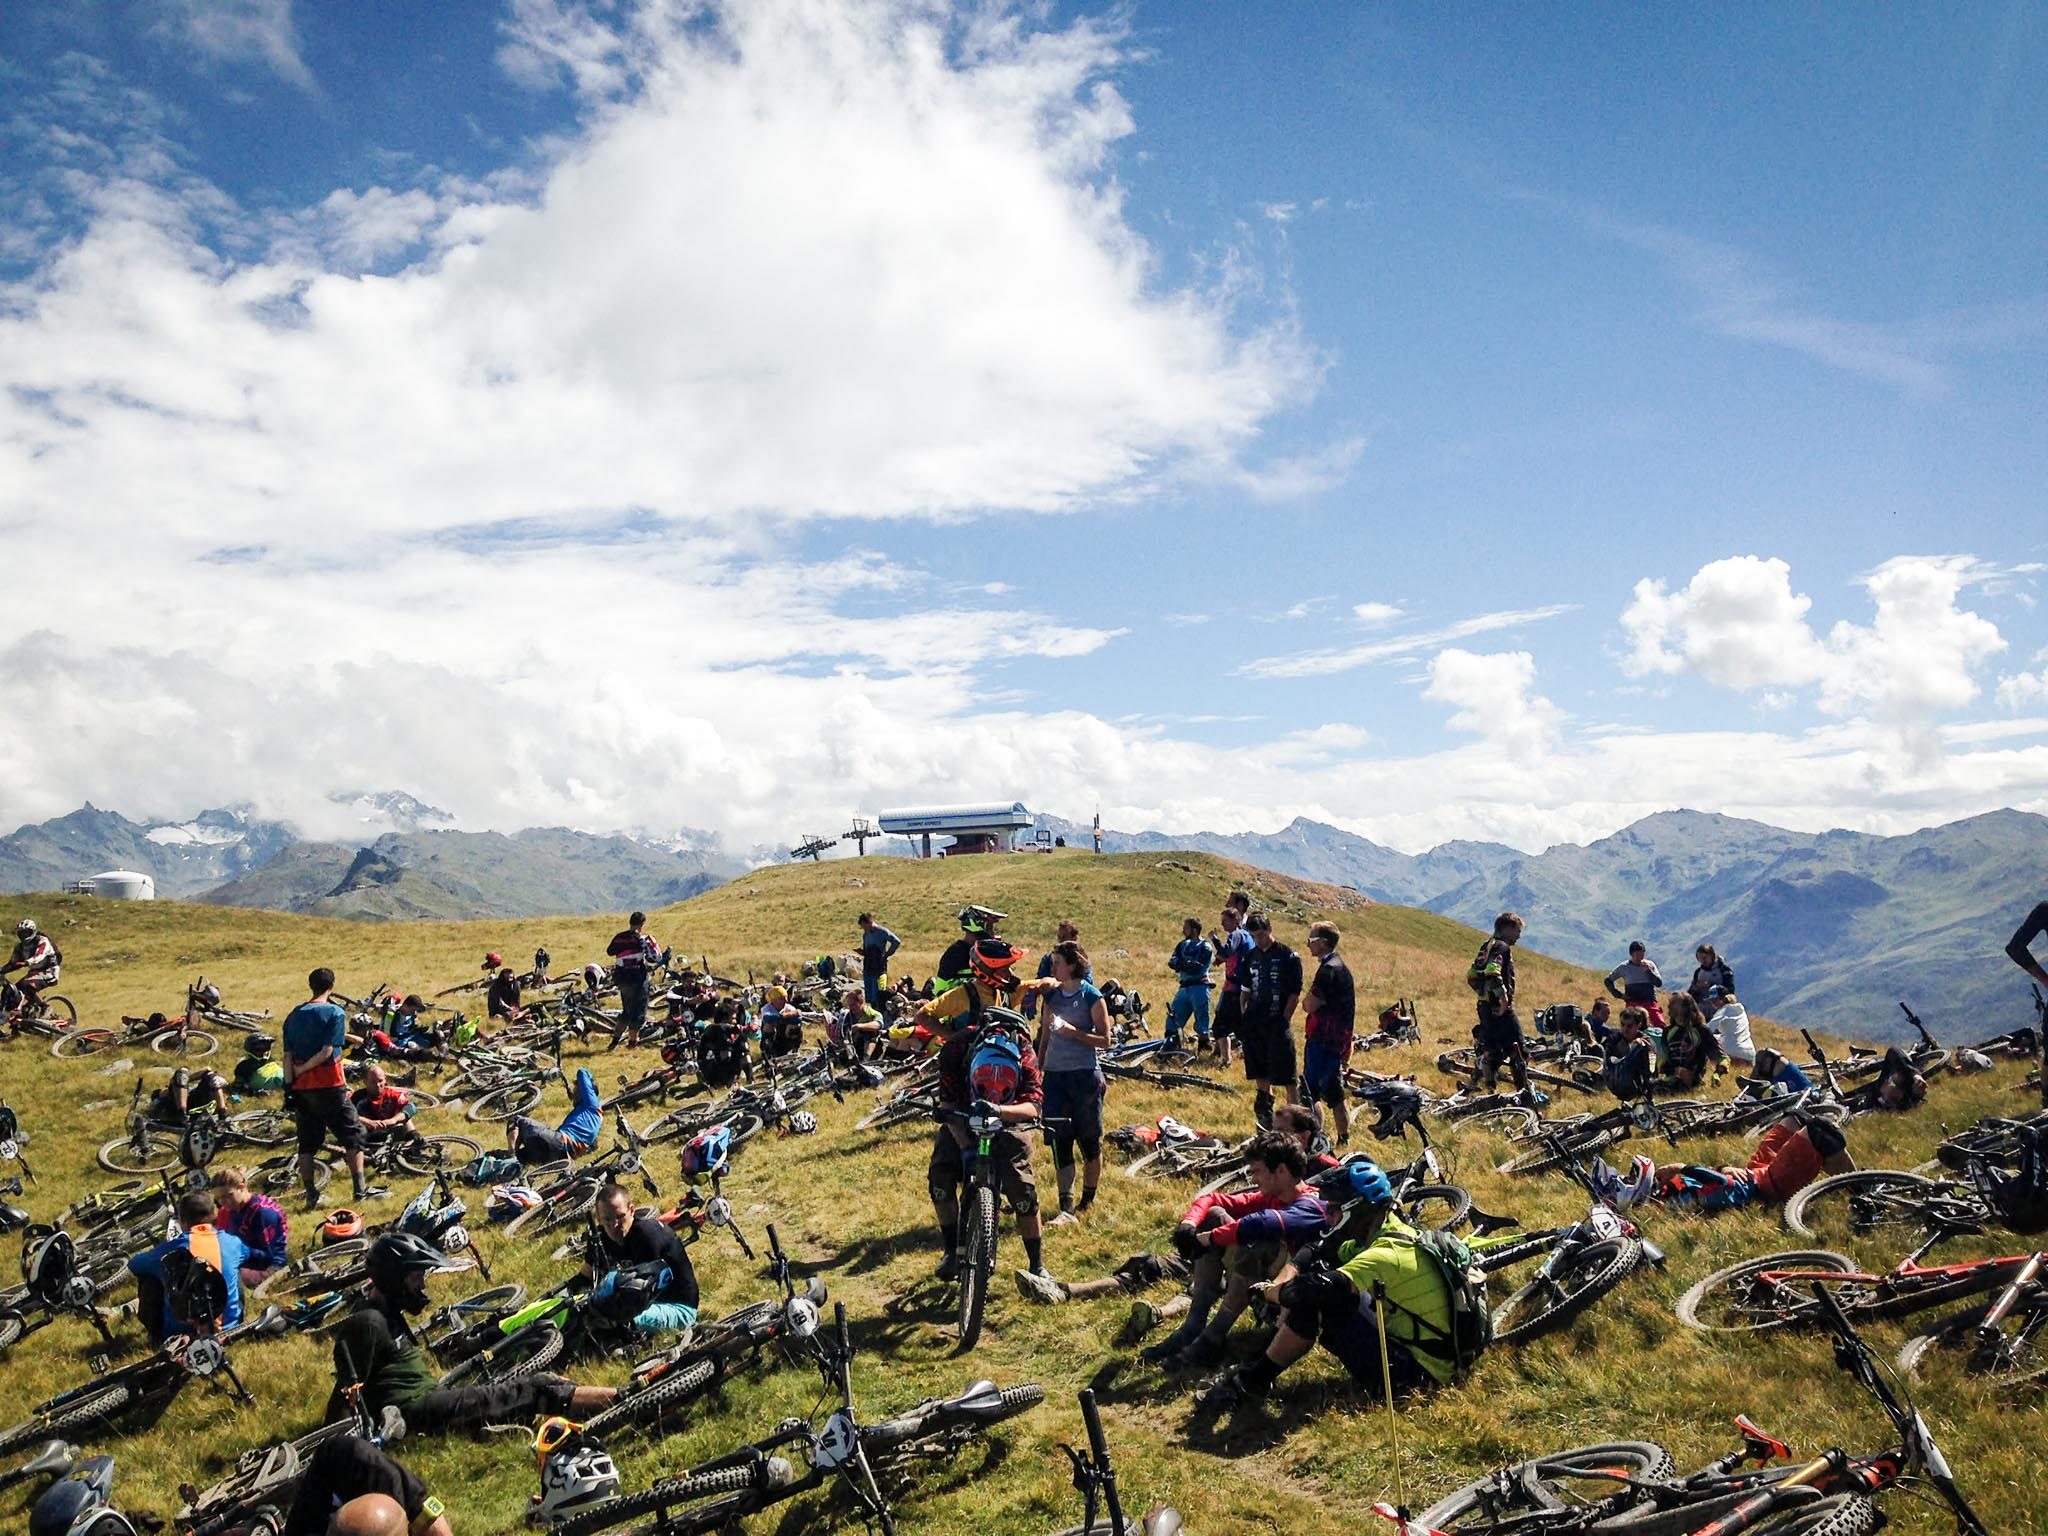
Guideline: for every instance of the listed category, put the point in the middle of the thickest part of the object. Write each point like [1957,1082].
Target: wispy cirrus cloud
[241,31]
[1317,663]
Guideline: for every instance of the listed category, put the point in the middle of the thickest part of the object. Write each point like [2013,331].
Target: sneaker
[1167,1348]
[1143,1319]
[309,1200]
[373,1192]
[1037,1285]
[1066,1218]
[1203,1351]
[1225,1392]
[949,1267]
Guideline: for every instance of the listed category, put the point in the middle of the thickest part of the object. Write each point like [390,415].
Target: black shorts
[1268,1053]
[1076,1098]
[321,1110]
[501,1402]
[1499,1033]
[1229,1014]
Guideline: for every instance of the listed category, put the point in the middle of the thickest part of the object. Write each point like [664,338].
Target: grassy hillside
[853,1206]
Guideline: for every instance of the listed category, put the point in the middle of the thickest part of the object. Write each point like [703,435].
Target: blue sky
[1497,424]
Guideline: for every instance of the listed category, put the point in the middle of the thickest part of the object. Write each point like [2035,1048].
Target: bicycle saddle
[980,1397]
[53,1460]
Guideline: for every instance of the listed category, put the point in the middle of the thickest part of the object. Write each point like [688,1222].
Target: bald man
[353,1489]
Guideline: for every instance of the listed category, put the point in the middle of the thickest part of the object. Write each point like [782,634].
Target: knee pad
[1027,1205]
[1304,1320]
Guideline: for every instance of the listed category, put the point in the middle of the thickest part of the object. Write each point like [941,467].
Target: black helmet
[258,1044]
[540,959]
[396,1255]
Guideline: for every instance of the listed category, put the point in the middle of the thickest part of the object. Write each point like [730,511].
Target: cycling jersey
[233,1254]
[1252,1218]
[38,957]
[1640,981]
[1235,945]
[1190,962]
[1332,1006]
[309,1028]
[647,1241]
[262,1226]
[376,1347]
[1417,1311]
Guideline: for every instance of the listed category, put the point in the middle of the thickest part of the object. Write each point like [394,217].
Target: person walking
[315,1035]
[1191,959]
[1326,1043]
[1271,979]
[877,944]
[634,956]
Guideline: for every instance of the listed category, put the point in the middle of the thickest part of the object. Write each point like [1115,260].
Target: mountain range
[1830,929]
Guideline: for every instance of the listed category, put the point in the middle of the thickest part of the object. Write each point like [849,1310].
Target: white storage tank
[124,885]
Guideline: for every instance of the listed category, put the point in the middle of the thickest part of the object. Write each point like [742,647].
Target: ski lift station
[972,828]
[123,885]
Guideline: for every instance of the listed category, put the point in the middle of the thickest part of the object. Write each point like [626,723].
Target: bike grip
[839,1324]
[1098,1447]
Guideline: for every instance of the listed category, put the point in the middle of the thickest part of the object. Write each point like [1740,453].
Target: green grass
[854,1206]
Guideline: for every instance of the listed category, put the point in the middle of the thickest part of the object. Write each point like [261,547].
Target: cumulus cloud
[1739,625]
[1491,696]
[1372,615]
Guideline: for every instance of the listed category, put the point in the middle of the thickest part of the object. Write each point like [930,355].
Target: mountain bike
[1630,1488]
[436,1215]
[1859,1204]
[145,1387]
[979,1204]
[713,1352]
[22,1012]
[12,1140]
[167,1037]
[57,1284]
[1581,1136]
[1980,1340]
[152,1143]
[269,1475]
[571,1193]
[1095,1481]
[1140,1062]
[1993,1139]
[1779,1290]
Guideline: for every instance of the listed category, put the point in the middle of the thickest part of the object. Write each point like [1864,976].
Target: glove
[1318,1288]
[1185,1243]
[982,1109]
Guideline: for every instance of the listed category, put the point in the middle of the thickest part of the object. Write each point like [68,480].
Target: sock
[1066,1177]
[951,1236]
[1034,1252]
[1087,1196]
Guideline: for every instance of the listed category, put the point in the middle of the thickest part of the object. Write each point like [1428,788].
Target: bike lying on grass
[1629,1488]
[1095,1481]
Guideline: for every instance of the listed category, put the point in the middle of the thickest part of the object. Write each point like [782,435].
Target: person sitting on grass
[384,1111]
[409,1037]
[856,1029]
[1628,1053]
[1791,1155]
[170,1104]
[198,1242]
[533,1143]
[1233,1242]
[1690,1049]
[258,1220]
[1371,1262]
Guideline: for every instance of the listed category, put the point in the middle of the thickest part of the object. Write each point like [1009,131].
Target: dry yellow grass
[854,1205]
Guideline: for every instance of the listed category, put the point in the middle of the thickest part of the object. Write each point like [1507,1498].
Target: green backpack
[1484,977]
[1471,1318]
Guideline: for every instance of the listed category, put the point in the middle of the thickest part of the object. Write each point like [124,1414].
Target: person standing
[1063,932]
[1231,946]
[877,944]
[1326,1042]
[1498,1034]
[1073,1026]
[1711,977]
[1271,980]
[2018,950]
[633,955]
[1640,982]
[315,1035]
[1190,963]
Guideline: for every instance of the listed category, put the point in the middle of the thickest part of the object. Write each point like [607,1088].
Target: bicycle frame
[1909,1275]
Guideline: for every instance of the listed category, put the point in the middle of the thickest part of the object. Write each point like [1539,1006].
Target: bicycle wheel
[192,1044]
[670,1493]
[436,1154]
[1840,1514]
[93,1409]
[2017,1358]
[570,1205]
[59,1013]
[1236,1181]
[265,1127]
[1555,1299]
[506,1100]
[458,1317]
[1566,1481]
[744,1128]
[148,1152]
[1542,1159]
[1859,1204]
[13,1327]
[280,1175]
[977,1260]
[1442,1206]
[83,1042]
[1510,1120]
[639,1410]
[1741,1299]
[524,1354]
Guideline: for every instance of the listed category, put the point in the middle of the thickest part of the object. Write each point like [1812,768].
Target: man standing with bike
[877,944]
[992,981]
[634,956]
[1270,977]
[315,1036]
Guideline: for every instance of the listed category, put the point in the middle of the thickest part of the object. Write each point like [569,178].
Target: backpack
[1484,976]
[1471,1318]
[721,1054]
[195,1290]
[782,1034]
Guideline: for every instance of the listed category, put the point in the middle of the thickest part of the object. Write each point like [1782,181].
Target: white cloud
[241,31]
[1318,663]
[2023,690]
[1491,696]
[1373,615]
[1738,624]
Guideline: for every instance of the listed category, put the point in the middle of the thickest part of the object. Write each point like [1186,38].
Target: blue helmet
[997,1068]
[709,1152]
[1364,1180]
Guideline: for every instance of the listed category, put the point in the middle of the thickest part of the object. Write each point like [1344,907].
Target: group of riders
[1318,1247]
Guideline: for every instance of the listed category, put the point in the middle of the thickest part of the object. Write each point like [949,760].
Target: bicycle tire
[1235,1181]
[87,1411]
[1957,1334]
[1781,1316]
[456,1318]
[506,1101]
[193,1044]
[524,1354]
[265,1127]
[280,1175]
[55,1003]
[74,1043]
[667,1493]
[1420,1206]
[1594,1271]
[1543,1159]
[977,1262]
[1822,1193]
[536,1219]
[427,1155]
[13,1329]
[1509,1120]
[1187,1080]
[1565,1481]
[1840,1514]
[159,1151]
[640,1410]
[744,1128]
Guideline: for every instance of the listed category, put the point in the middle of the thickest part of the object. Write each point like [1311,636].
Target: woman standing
[1073,1024]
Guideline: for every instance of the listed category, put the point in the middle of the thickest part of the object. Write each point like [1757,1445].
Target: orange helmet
[991,960]
[340,1226]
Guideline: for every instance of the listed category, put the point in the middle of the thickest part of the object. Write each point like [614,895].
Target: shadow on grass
[867,1254]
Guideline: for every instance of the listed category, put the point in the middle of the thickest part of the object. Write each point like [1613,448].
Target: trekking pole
[1379,1291]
